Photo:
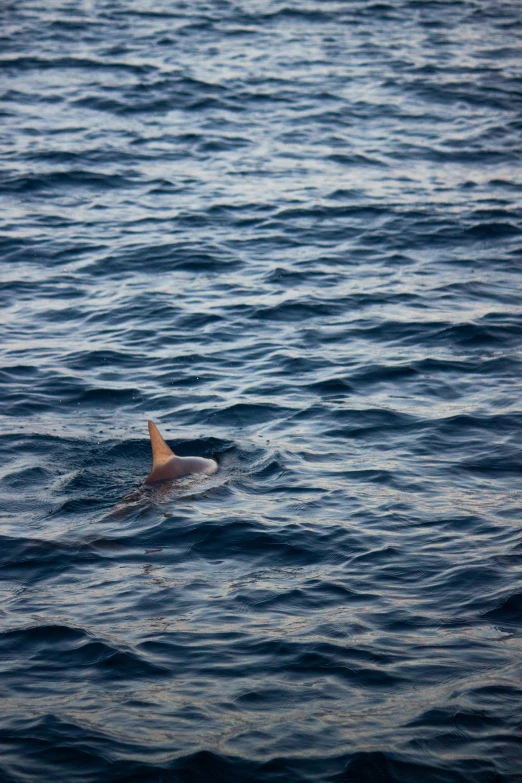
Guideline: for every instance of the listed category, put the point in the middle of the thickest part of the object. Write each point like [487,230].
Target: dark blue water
[290,233]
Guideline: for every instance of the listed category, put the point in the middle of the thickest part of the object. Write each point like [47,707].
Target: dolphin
[166,465]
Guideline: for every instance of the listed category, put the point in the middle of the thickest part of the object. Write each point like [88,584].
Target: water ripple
[290,234]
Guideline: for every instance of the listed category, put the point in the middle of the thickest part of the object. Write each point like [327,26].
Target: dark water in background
[290,233]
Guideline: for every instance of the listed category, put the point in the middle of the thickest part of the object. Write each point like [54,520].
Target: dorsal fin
[160,451]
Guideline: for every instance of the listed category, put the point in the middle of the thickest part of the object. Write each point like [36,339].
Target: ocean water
[290,233]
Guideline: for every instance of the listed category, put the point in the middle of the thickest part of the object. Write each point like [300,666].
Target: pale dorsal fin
[160,451]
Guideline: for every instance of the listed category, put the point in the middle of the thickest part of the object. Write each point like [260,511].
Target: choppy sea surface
[290,233]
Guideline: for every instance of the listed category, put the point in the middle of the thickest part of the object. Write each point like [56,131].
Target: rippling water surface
[290,233]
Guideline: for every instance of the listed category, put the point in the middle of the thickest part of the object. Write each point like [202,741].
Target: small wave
[61,179]
[27,63]
[509,611]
